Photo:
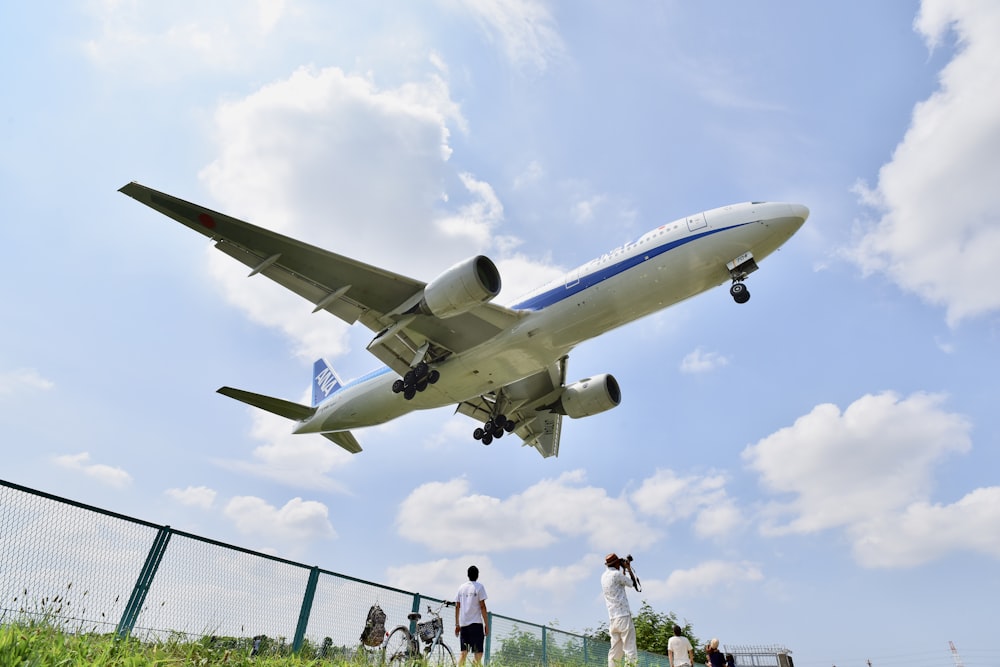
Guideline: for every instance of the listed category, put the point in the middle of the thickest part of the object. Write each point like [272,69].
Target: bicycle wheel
[441,656]
[397,645]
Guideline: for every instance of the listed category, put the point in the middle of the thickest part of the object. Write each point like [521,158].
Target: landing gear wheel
[433,376]
[409,393]
[509,426]
[478,434]
[497,431]
[488,426]
[421,384]
[739,292]
[410,377]
[397,386]
[487,438]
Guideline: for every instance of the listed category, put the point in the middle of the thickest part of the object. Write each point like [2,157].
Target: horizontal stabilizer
[277,406]
[345,440]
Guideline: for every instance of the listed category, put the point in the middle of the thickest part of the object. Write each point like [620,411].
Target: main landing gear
[739,291]
[416,379]
[494,427]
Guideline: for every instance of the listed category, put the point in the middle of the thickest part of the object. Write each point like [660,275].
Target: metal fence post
[307,602]
[415,608]
[142,584]
[486,647]
[545,660]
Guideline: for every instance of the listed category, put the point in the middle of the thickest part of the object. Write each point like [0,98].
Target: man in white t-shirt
[472,622]
[679,649]
[620,626]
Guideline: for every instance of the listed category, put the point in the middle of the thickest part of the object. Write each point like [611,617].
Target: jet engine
[589,396]
[462,287]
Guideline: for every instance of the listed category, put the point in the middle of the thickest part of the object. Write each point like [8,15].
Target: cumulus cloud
[548,585]
[939,227]
[840,468]
[105,474]
[710,576]
[924,532]
[338,162]
[868,471]
[538,517]
[700,361]
[297,521]
[701,498]
[23,379]
[300,461]
[201,497]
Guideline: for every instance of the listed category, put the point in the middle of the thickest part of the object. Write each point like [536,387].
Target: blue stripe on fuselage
[557,294]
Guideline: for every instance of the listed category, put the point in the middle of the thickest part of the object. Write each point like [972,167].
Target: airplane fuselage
[665,266]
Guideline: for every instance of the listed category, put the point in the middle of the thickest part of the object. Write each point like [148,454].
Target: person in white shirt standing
[614,582]
[679,649]
[472,622]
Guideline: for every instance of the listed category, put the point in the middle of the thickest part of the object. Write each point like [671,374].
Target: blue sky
[816,468]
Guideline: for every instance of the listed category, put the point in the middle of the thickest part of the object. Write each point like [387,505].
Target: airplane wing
[526,403]
[349,289]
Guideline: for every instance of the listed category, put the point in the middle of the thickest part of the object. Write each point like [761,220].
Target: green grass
[41,644]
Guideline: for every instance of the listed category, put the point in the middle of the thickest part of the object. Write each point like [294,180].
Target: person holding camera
[614,582]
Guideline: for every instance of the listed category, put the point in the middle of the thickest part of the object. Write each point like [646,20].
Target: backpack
[374,631]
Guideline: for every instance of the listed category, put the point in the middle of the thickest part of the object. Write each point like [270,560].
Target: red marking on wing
[206,220]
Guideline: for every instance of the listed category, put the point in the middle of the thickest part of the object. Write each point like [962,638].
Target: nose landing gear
[416,379]
[739,269]
[739,292]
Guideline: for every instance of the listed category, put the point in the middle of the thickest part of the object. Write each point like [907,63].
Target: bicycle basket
[428,630]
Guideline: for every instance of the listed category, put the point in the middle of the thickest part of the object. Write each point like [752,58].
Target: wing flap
[520,402]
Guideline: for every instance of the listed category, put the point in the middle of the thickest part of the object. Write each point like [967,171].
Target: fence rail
[92,570]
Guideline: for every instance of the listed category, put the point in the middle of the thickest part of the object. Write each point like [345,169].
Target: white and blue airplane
[445,343]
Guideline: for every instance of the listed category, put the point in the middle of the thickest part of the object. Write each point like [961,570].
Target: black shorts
[472,637]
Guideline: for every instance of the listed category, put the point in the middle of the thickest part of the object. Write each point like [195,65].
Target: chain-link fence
[90,570]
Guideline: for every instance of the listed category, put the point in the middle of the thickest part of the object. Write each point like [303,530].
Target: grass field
[42,644]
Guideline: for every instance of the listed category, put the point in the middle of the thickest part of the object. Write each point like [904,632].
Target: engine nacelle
[462,287]
[590,396]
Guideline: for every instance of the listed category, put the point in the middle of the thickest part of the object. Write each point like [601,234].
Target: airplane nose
[799,211]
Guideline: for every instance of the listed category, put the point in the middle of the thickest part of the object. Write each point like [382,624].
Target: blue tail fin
[325,381]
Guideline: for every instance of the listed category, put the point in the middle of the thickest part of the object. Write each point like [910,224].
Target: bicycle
[402,648]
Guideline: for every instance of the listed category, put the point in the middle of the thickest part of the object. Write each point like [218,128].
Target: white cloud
[544,513]
[939,230]
[924,532]
[700,361]
[585,209]
[302,461]
[105,474]
[23,379]
[703,499]
[868,471]
[525,29]
[193,496]
[549,585]
[335,161]
[703,578]
[297,521]
[842,468]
